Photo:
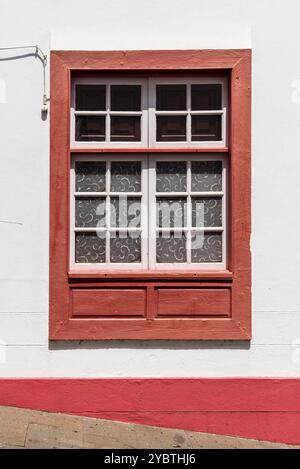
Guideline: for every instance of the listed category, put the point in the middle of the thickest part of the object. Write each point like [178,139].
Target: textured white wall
[271,28]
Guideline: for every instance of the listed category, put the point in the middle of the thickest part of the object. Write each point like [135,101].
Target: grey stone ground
[22,428]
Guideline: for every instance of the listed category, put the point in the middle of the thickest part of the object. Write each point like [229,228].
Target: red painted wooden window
[150,195]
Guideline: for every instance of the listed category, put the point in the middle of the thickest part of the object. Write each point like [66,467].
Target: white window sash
[188,81]
[143,143]
[153,229]
[148,212]
[148,112]
[144,215]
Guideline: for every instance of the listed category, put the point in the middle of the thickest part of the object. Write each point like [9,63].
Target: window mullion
[144,216]
[151,212]
[225,212]
[189,213]
[108,212]
[108,124]
[188,118]
[147,115]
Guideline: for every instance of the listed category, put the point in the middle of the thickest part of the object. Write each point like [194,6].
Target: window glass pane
[206,176]
[125,128]
[206,211]
[171,176]
[171,212]
[125,176]
[125,212]
[170,128]
[171,248]
[90,176]
[125,247]
[90,98]
[90,247]
[125,98]
[171,97]
[206,247]
[90,129]
[206,128]
[90,212]
[206,97]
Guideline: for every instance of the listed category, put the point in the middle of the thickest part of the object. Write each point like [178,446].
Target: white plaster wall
[271,28]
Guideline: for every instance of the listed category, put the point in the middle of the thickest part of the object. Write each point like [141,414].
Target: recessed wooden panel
[109,302]
[193,302]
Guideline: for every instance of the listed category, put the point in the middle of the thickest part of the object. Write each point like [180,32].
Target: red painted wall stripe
[266,409]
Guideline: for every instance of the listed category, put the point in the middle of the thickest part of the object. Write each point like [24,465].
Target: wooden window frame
[219,301]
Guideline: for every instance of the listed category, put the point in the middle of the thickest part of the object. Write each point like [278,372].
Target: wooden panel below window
[109,302]
[193,302]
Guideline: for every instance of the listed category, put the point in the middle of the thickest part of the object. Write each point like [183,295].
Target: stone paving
[22,428]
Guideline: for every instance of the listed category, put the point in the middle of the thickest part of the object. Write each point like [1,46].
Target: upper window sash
[188,113]
[110,116]
[152,117]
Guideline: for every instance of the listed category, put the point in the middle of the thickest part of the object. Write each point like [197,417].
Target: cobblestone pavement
[22,428]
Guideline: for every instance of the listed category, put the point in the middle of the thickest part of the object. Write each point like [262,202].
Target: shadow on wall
[149,344]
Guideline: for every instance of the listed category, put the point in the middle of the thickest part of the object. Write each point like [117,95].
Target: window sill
[146,274]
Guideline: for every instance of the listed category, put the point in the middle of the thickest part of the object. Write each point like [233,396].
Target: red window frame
[93,305]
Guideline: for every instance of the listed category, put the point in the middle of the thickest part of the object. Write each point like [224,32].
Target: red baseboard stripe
[266,409]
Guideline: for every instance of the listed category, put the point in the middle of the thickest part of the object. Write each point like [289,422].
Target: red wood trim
[145,329]
[138,73]
[151,60]
[238,326]
[153,275]
[240,187]
[259,408]
[147,283]
[151,302]
[59,300]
